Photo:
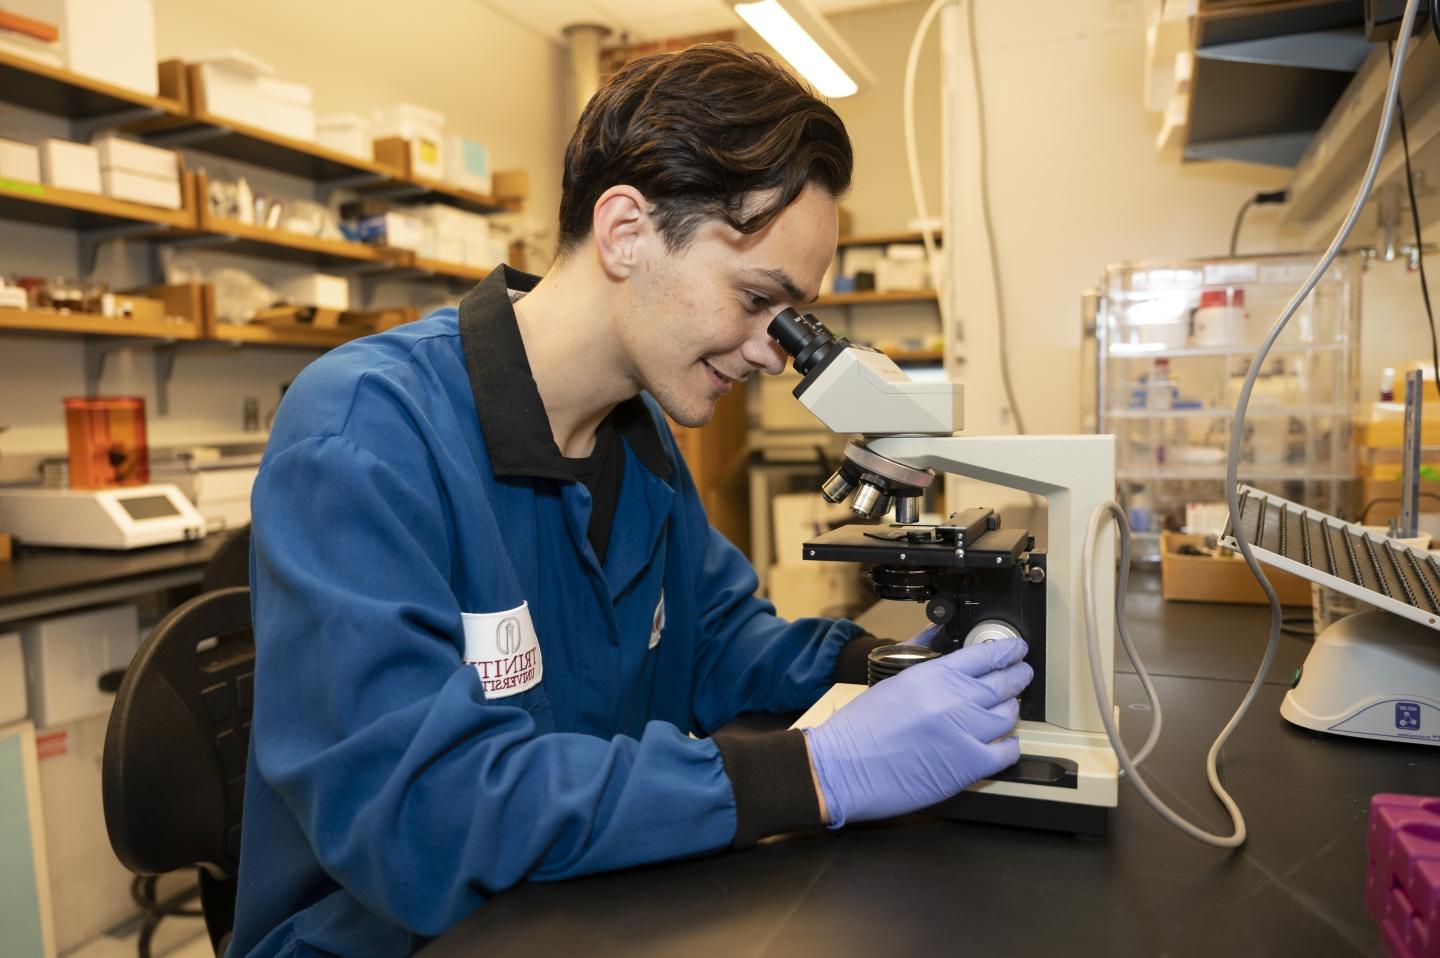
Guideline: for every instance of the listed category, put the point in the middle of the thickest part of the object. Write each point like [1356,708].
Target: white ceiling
[641,19]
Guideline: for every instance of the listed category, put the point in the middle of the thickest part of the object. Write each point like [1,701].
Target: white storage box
[19,161]
[118,153]
[346,133]
[65,657]
[150,190]
[289,108]
[467,164]
[425,131]
[317,289]
[142,189]
[399,230]
[109,40]
[70,166]
[244,88]
[14,704]
[232,85]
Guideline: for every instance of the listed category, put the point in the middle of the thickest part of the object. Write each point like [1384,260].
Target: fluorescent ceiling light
[780,24]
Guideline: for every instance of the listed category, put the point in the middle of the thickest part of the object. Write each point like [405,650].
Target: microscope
[978,580]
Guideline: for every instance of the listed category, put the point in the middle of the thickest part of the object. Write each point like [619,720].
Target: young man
[488,605]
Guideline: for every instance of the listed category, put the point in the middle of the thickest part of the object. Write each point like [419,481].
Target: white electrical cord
[922,210]
[1236,839]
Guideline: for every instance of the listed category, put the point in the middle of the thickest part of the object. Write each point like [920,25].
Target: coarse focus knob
[990,630]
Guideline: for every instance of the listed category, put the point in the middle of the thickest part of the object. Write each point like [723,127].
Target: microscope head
[855,389]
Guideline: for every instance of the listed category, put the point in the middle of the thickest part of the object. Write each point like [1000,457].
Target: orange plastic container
[105,436]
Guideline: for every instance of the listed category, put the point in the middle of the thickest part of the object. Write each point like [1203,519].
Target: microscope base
[1083,821]
[1065,780]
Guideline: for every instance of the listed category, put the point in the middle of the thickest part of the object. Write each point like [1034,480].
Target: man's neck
[579,369]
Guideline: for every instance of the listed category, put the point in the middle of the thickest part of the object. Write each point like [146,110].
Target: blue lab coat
[386,796]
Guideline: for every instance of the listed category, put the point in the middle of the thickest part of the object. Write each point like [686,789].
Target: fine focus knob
[989,631]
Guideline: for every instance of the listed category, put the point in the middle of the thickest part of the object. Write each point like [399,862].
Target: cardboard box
[70,166]
[1191,578]
[831,589]
[19,161]
[424,133]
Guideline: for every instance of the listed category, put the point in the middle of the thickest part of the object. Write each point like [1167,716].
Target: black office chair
[230,565]
[173,772]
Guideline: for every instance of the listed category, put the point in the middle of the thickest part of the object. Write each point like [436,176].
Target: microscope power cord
[1232,467]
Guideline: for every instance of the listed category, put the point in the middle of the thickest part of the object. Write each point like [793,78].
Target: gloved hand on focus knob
[923,735]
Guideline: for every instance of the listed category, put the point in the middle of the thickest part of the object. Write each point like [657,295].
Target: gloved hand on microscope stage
[921,736]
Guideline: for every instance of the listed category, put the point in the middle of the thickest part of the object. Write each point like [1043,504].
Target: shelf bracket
[97,352]
[90,240]
[400,191]
[164,360]
[85,128]
[326,188]
[197,242]
[188,135]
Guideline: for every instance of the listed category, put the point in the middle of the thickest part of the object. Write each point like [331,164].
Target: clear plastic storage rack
[1174,342]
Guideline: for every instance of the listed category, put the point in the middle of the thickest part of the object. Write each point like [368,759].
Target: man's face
[698,316]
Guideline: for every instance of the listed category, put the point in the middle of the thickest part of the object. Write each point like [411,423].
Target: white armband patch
[504,650]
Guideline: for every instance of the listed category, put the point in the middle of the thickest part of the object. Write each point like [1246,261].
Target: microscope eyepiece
[804,337]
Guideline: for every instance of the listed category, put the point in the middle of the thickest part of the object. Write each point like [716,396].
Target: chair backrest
[230,565]
[173,772]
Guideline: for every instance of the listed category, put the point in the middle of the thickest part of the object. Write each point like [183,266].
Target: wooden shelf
[49,206]
[254,240]
[42,321]
[276,335]
[62,93]
[451,270]
[872,298]
[884,239]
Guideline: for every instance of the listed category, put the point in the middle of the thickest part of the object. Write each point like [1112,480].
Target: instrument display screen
[149,507]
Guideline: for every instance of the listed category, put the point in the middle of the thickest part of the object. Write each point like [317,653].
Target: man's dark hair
[698,132]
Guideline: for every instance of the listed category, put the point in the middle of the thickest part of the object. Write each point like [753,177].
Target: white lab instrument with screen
[120,518]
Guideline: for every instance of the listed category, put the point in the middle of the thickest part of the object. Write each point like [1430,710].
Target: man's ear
[621,221]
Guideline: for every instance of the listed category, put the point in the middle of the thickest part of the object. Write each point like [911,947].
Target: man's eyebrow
[781,280]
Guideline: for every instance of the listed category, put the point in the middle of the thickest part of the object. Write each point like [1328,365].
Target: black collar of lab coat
[507,402]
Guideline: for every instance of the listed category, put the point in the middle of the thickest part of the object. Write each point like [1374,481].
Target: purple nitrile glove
[923,735]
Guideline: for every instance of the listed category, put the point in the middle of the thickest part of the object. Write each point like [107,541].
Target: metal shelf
[1139,350]
[58,92]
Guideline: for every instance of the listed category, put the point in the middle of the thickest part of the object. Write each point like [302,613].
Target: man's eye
[756,302]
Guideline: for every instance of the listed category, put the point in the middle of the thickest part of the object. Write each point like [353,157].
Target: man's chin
[691,415]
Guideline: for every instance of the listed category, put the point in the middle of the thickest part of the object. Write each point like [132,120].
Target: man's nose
[762,352]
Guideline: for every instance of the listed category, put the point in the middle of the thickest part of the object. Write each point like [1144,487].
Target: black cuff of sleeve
[851,665]
[770,777]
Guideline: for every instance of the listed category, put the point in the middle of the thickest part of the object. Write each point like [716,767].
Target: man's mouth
[723,381]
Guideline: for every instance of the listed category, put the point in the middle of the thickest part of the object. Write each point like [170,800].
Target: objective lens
[837,487]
